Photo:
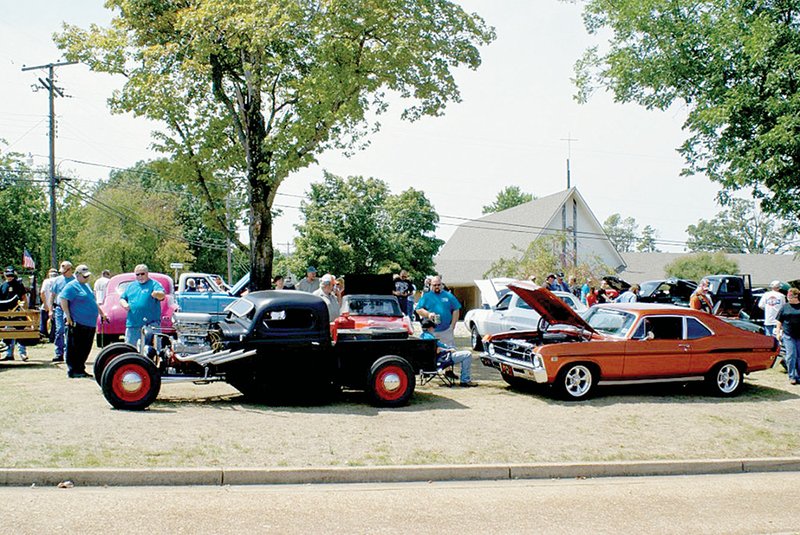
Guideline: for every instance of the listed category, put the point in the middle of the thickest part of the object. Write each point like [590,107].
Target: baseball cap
[775,284]
[311,269]
[83,269]
[326,279]
[426,323]
[10,270]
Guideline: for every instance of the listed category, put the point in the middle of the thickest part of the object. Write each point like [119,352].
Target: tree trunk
[260,234]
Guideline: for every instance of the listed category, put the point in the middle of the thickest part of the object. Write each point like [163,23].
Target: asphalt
[125,477]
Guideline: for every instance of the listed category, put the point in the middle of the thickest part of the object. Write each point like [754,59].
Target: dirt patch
[52,421]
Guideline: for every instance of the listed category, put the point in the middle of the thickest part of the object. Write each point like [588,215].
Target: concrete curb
[97,477]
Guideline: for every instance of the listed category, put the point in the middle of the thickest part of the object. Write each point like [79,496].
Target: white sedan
[509,314]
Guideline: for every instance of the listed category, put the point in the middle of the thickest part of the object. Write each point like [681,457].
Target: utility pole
[228,237]
[569,139]
[49,84]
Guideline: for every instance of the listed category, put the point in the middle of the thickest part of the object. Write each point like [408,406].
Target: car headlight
[490,349]
[537,361]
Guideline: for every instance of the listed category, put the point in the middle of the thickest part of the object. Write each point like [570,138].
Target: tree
[356,225]
[697,266]
[508,197]
[543,256]
[733,65]
[647,241]
[621,232]
[25,219]
[263,87]
[741,228]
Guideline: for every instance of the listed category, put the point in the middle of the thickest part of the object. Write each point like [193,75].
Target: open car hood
[492,289]
[551,308]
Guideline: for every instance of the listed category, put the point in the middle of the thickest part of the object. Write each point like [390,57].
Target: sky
[510,128]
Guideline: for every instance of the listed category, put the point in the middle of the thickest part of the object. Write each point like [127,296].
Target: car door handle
[685,346]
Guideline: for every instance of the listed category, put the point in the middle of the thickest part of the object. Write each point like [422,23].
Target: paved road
[741,503]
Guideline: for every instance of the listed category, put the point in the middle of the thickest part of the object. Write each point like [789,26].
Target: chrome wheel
[728,378]
[578,381]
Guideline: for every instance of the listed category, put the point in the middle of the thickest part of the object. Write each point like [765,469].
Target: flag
[27,260]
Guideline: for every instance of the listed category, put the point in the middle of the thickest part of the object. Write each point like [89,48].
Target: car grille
[514,349]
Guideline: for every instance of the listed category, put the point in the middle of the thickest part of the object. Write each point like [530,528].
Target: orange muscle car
[625,344]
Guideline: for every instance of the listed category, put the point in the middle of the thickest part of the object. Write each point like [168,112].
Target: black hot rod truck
[268,342]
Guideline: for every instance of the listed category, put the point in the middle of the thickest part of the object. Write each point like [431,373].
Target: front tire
[725,380]
[391,382]
[131,382]
[576,382]
[475,339]
[106,355]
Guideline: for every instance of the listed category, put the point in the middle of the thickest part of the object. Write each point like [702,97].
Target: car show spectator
[309,283]
[574,287]
[771,303]
[58,314]
[12,293]
[277,282]
[191,285]
[326,292]
[402,289]
[442,308]
[631,295]
[586,289]
[788,331]
[446,352]
[550,282]
[561,284]
[79,303]
[701,298]
[142,300]
[45,312]
[100,285]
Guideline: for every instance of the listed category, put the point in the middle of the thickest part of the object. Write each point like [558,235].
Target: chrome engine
[195,332]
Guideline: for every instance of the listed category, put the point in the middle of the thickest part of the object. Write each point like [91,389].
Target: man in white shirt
[100,286]
[45,312]
[771,303]
[326,292]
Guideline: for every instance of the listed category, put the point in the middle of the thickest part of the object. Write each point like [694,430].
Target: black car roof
[279,298]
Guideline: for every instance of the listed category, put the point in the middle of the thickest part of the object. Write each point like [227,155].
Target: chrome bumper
[515,367]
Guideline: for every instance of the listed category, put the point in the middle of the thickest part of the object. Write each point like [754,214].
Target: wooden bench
[19,324]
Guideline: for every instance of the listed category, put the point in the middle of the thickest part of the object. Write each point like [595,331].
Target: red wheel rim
[124,382]
[386,380]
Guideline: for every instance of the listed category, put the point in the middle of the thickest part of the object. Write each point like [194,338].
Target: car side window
[640,332]
[665,327]
[291,319]
[695,329]
[522,304]
[504,302]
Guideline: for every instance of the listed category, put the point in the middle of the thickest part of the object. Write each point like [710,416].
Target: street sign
[176,265]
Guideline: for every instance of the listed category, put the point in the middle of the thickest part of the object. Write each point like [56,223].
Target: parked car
[667,291]
[375,312]
[111,331]
[509,314]
[268,341]
[212,301]
[624,343]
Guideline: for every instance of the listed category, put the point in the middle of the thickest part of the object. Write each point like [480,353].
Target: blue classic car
[197,292]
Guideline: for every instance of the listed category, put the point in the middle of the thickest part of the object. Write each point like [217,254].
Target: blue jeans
[465,359]
[61,331]
[23,351]
[769,330]
[792,347]
[134,334]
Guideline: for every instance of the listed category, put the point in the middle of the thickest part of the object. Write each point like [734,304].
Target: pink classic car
[108,333]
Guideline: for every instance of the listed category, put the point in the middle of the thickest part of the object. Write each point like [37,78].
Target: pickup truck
[269,343]
[733,296]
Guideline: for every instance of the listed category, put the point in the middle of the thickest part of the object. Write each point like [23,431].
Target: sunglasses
[141,274]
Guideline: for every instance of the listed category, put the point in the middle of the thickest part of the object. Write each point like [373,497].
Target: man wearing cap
[325,291]
[771,303]
[46,320]
[12,292]
[550,282]
[80,308]
[142,299]
[58,314]
[310,283]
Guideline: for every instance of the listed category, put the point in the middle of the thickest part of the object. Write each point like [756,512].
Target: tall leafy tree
[741,228]
[263,87]
[25,220]
[698,265]
[622,231]
[508,197]
[356,225]
[731,64]
[647,241]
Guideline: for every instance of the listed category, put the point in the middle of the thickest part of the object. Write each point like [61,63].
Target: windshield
[372,306]
[241,307]
[609,321]
[647,288]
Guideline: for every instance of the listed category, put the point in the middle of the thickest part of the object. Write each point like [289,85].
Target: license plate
[506,369]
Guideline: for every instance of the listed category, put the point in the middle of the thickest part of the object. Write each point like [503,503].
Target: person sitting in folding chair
[447,355]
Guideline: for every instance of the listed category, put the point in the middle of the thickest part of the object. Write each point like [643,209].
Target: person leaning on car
[701,298]
[788,331]
[142,299]
[79,303]
[439,304]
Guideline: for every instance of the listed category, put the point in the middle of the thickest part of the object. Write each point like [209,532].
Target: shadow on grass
[693,392]
[345,402]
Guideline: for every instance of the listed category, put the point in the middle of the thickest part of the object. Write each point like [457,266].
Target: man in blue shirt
[142,299]
[58,314]
[79,304]
[442,308]
[630,296]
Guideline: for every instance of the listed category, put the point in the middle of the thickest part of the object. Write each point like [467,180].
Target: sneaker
[9,357]
[468,385]
[58,359]
[78,375]
[24,358]
[793,382]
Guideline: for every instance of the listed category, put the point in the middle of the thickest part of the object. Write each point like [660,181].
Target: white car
[510,313]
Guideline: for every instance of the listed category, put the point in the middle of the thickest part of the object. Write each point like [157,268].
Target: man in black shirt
[12,292]
[788,331]
[402,289]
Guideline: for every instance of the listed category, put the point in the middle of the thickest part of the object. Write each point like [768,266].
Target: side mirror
[649,336]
